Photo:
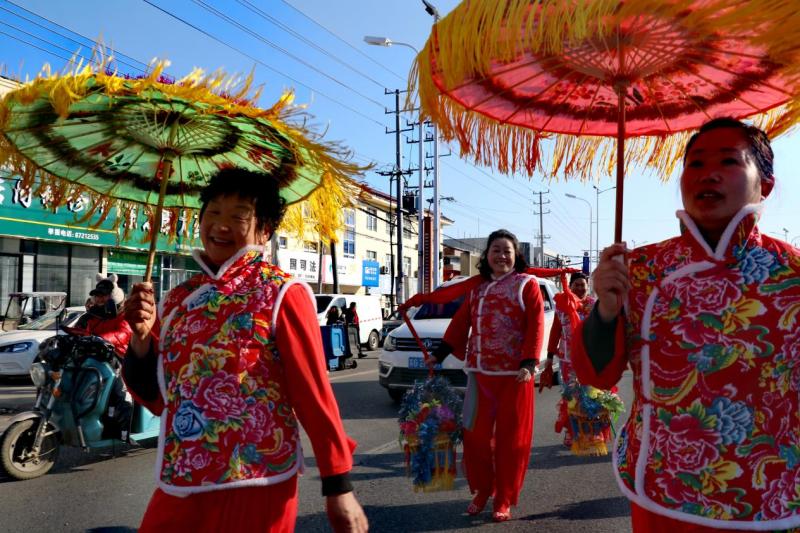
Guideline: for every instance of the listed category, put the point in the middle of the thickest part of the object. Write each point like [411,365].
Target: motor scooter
[78,403]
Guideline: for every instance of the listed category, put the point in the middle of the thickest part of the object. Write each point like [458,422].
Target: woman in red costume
[234,365]
[499,331]
[708,323]
[585,413]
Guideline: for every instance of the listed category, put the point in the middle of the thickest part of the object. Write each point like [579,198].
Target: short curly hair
[261,188]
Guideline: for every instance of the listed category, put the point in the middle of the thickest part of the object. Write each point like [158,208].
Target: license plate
[419,362]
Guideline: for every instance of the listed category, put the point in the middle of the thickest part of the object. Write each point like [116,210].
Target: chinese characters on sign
[22,216]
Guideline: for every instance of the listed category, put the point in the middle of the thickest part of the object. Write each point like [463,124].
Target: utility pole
[422,271]
[432,11]
[540,260]
[398,174]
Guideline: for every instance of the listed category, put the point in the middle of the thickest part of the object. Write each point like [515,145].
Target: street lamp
[568,195]
[436,237]
[598,192]
[385,41]
[785,235]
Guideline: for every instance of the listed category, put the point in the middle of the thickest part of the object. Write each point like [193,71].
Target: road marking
[389,446]
[338,376]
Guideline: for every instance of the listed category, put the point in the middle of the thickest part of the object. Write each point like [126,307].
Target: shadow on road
[71,459]
[359,400]
[448,515]
[558,456]
[616,507]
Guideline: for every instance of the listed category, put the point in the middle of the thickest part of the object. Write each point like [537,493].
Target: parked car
[401,362]
[18,348]
[370,318]
[393,321]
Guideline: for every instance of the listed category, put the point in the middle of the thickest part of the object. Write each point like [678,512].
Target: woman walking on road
[234,365]
[709,323]
[505,314]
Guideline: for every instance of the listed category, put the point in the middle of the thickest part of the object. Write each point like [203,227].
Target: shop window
[177,269]
[85,266]
[9,278]
[52,268]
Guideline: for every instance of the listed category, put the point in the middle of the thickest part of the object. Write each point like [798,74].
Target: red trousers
[272,508]
[644,521]
[498,446]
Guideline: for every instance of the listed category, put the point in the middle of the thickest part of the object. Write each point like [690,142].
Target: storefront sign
[301,265]
[370,273]
[349,273]
[129,263]
[26,215]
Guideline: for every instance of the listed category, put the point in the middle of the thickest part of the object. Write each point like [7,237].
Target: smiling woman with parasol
[230,406]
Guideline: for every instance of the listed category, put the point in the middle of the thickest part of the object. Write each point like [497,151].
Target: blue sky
[316,47]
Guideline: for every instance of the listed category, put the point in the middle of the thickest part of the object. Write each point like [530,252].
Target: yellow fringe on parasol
[220,94]
[475,37]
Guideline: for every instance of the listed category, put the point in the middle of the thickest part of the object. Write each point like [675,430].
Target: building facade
[365,249]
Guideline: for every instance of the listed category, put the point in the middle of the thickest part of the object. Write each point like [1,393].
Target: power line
[260,62]
[269,43]
[87,59]
[35,46]
[90,41]
[495,221]
[303,39]
[485,186]
[402,78]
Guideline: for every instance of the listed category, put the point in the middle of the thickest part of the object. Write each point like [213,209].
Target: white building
[366,250]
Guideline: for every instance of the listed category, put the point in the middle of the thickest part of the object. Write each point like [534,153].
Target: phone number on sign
[87,236]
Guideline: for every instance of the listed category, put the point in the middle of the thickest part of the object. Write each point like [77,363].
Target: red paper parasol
[501,77]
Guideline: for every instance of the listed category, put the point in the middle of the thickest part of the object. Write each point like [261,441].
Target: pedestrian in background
[505,314]
[333,316]
[708,322]
[229,450]
[351,319]
[585,414]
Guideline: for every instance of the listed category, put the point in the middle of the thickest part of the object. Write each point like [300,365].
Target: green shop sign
[27,215]
[130,263]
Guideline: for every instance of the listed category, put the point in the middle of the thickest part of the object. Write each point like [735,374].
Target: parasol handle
[422,348]
[155,228]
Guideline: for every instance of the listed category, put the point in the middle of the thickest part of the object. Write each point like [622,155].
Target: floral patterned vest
[564,313]
[570,311]
[227,422]
[498,323]
[714,340]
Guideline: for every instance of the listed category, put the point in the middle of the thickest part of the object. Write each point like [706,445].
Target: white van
[370,316]
[401,362]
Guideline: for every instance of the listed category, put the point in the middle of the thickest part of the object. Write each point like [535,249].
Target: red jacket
[114,330]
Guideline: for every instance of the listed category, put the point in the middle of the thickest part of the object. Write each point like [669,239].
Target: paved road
[109,491]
